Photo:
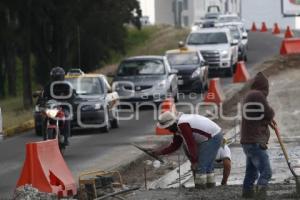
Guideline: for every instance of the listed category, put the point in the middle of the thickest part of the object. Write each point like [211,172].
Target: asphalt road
[88,147]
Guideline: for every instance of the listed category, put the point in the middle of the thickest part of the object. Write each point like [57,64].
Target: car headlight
[196,73]
[161,84]
[37,108]
[98,106]
[224,54]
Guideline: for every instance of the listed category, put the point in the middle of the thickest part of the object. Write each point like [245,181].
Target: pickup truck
[217,47]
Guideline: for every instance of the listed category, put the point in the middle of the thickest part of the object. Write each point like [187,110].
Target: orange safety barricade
[264,27]
[276,29]
[241,73]
[214,94]
[45,169]
[290,46]
[288,33]
[167,105]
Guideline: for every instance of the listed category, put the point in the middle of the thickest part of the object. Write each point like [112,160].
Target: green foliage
[67,33]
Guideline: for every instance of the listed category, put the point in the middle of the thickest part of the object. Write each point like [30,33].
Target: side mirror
[204,63]
[245,35]
[181,44]
[174,71]
[110,74]
[37,94]
[234,42]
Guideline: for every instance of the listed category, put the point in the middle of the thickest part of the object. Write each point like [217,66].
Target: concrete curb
[14,130]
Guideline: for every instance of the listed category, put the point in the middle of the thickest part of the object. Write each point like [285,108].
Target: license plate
[180,82]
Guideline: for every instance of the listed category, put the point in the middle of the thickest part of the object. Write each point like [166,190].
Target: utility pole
[177,11]
[79,45]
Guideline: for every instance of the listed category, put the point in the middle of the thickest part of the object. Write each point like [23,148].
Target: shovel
[297,177]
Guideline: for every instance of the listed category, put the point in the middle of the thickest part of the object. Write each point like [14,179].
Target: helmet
[166,119]
[57,74]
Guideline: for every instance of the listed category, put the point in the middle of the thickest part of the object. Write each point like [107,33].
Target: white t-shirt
[223,152]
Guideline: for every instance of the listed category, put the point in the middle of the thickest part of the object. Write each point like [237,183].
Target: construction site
[194,140]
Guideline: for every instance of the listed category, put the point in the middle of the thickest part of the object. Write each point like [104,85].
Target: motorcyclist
[61,91]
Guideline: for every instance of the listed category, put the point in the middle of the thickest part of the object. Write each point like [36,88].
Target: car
[93,105]
[145,79]
[75,71]
[236,33]
[217,47]
[192,69]
[228,18]
[242,28]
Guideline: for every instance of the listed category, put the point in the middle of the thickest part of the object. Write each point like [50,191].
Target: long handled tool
[148,152]
[297,177]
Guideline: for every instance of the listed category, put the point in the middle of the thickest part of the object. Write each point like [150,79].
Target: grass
[13,113]
[151,40]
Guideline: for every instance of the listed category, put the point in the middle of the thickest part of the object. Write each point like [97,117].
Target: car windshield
[86,85]
[141,67]
[229,19]
[207,38]
[191,58]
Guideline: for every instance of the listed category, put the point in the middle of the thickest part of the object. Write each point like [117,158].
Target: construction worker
[255,134]
[224,156]
[202,138]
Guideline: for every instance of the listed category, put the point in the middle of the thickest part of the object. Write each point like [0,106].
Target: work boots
[261,192]
[200,181]
[248,193]
[210,180]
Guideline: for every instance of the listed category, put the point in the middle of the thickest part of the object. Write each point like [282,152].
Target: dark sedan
[192,69]
[92,106]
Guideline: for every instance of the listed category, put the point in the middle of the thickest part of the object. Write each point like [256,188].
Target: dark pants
[257,166]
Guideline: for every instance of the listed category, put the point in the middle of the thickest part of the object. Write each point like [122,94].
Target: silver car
[145,79]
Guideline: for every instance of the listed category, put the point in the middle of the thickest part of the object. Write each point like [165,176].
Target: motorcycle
[54,121]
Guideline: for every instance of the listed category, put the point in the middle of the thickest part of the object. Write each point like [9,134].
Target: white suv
[217,47]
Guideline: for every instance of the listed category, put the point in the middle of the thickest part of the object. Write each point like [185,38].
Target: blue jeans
[257,166]
[207,152]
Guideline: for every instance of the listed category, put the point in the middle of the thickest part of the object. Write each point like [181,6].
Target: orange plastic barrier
[167,105]
[290,46]
[241,73]
[288,33]
[45,169]
[214,94]
[264,27]
[253,28]
[276,29]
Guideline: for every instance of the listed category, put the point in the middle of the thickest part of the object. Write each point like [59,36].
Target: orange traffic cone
[253,28]
[288,33]
[264,27]
[241,74]
[167,105]
[214,94]
[276,29]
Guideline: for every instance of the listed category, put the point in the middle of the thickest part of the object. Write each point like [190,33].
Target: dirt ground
[276,192]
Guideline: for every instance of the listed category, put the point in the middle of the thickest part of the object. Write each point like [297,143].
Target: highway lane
[88,149]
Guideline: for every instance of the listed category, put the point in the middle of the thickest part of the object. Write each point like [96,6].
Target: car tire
[115,121]
[106,128]
[38,131]
[245,58]
[229,72]
[200,89]
[176,97]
